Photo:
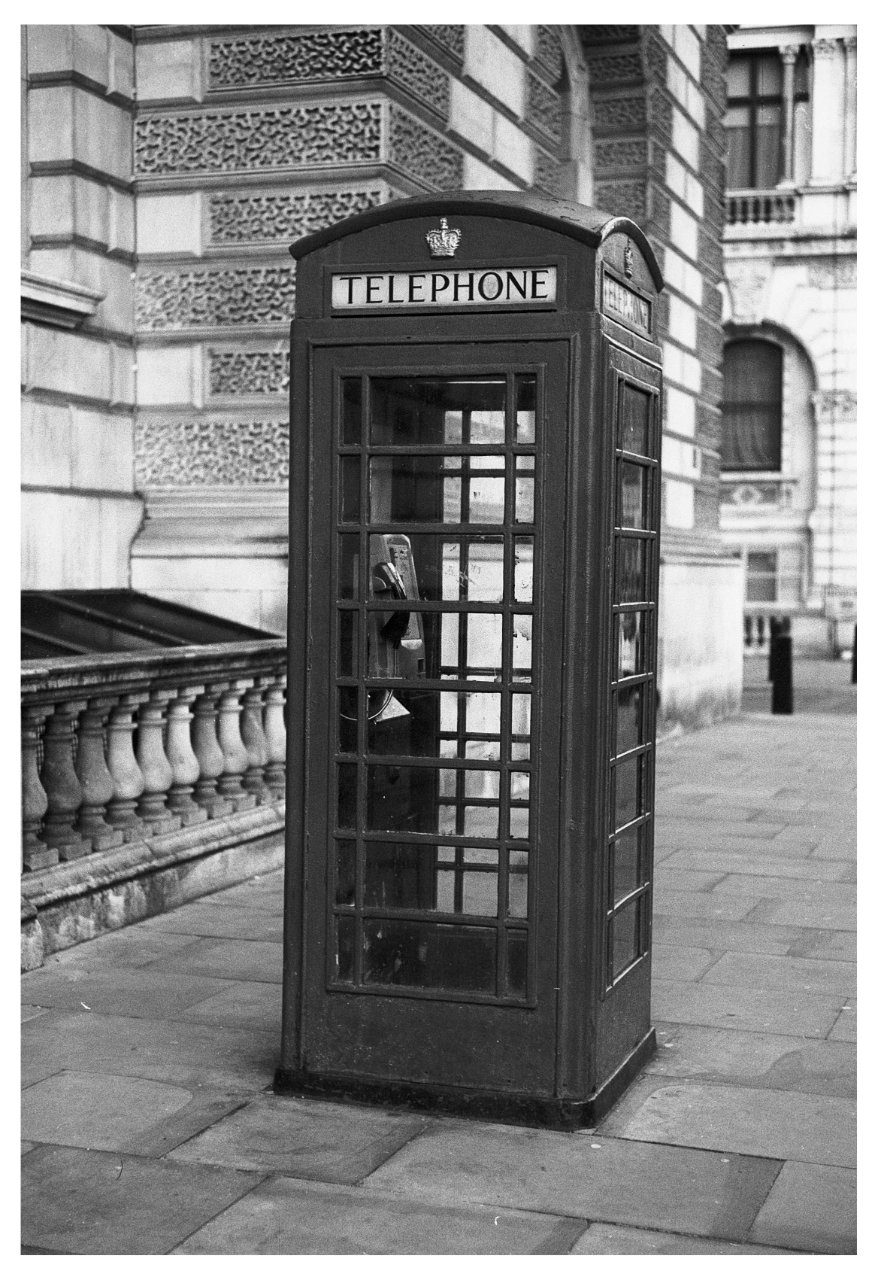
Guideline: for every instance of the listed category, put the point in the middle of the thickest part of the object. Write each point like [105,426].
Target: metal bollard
[782,685]
[854,658]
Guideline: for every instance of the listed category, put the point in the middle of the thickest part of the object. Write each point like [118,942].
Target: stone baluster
[183,759]
[209,753]
[154,764]
[62,787]
[124,769]
[36,855]
[94,776]
[276,737]
[253,737]
[234,752]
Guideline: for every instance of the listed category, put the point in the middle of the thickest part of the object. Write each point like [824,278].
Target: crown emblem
[443,241]
[629,260]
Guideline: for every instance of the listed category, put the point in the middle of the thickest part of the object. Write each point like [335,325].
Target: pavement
[149,1125]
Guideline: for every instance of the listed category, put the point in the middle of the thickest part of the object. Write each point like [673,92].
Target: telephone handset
[396,641]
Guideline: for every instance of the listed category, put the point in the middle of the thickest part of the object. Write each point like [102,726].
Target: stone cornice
[56,302]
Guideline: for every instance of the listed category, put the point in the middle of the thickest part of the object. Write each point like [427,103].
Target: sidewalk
[149,1125]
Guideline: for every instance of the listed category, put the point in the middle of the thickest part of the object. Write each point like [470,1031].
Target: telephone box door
[430,812]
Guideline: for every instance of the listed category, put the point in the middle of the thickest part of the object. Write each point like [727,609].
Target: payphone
[475,429]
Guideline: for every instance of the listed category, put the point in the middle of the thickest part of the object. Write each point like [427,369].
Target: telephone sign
[475,425]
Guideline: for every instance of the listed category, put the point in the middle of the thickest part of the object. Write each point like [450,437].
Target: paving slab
[701,905]
[723,935]
[261,893]
[811,913]
[687,882]
[329,1142]
[207,918]
[685,964]
[845,1028]
[604,1238]
[96,1202]
[183,1053]
[784,1013]
[242,1004]
[787,887]
[758,864]
[782,1125]
[755,1058]
[641,1184]
[129,948]
[812,1207]
[31,1011]
[823,944]
[783,973]
[131,992]
[285,1216]
[119,1113]
[240,960]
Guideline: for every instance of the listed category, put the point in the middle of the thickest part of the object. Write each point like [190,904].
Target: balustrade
[751,207]
[118,748]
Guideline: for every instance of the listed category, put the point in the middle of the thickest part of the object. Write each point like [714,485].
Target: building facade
[790,406]
[166,169]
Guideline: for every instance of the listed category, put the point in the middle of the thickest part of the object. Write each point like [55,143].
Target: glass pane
[344,948]
[422,411]
[626,937]
[629,718]
[626,865]
[483,496]
[484,645]
[634,420]
[525,408]
[522,659]
[523,552]
[634,492]
[480,821]
[351,411]
[739,77]
[631,644]
[427,722]
[345,872]
[400,876]
[481,571]
[517,894]
[348,720]
[631,562]
[478,893]
[448,957]
[740,154]
[768,135]
[348,565]
[516,962]
[349,497]
[524,491]
[626,787]
[347,796]
[768,75]
[520,726]
[348,637]
[519,812]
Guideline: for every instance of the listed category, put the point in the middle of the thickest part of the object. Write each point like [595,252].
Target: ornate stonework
[284,216]
[417,73]
[615,68]
[624,198]
[258,139]
[230,295]
[248,373]
[625,153]
[450,37]
[216,452]
[747,283]
[550,51]
[543,107]
[835,406]
[547,173]
[284,58]
[423,153]
[841,274]
[620,113]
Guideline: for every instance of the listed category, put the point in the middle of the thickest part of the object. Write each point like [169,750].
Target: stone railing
[117,749]
[753,207]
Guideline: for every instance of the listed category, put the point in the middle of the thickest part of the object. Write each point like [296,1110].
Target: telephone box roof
[578,221]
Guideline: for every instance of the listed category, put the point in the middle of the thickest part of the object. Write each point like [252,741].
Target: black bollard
[854,658]
[774,630]
[782,686]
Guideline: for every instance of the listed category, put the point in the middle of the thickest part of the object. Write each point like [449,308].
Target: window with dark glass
[755,117]
[751,408]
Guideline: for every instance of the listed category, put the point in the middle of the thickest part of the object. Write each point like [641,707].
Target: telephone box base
[534,1112]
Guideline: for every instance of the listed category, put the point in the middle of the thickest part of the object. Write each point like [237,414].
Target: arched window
[751,408]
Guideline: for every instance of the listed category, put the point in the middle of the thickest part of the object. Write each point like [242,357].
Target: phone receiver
[386,578]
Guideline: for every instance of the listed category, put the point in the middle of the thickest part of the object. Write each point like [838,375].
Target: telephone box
[474,566]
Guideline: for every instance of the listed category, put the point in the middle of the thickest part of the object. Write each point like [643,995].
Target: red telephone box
[475,422]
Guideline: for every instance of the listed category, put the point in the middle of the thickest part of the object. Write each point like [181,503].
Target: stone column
[234,752]
[850,106]
[276,737]
[183,759]
[826,114]
[253,737]
[36,855]
[209,753]
[124,769]
[94,776]
[154,764]
[62,787]
[789,53]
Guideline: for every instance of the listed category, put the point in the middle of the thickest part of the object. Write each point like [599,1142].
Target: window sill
[57,302]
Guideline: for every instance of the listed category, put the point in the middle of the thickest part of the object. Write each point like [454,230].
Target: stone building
[166,171]
[790,409]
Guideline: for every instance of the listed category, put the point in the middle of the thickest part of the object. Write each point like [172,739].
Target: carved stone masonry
[270,216]
[543,107]
[230,296]
[550,51]
[423,153]
[417,73]
[288,57]
[258,139]
[547,173]
[248,373]
[620,113]
[451,37]
[216,452]
[837,406]
[833,275]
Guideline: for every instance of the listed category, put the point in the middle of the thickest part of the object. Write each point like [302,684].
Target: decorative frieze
[225,296]
[248,373]
[623,198]
[624,153]
[547,173]
[550,51]
[615,68]
[259,139]
[543,107]
[627,112]
[661,113]
[450,37]
[841,274]
[417,73]
[835,406]
[608,34]
[284,216]
[216,452]
[424,154]
[283,58]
